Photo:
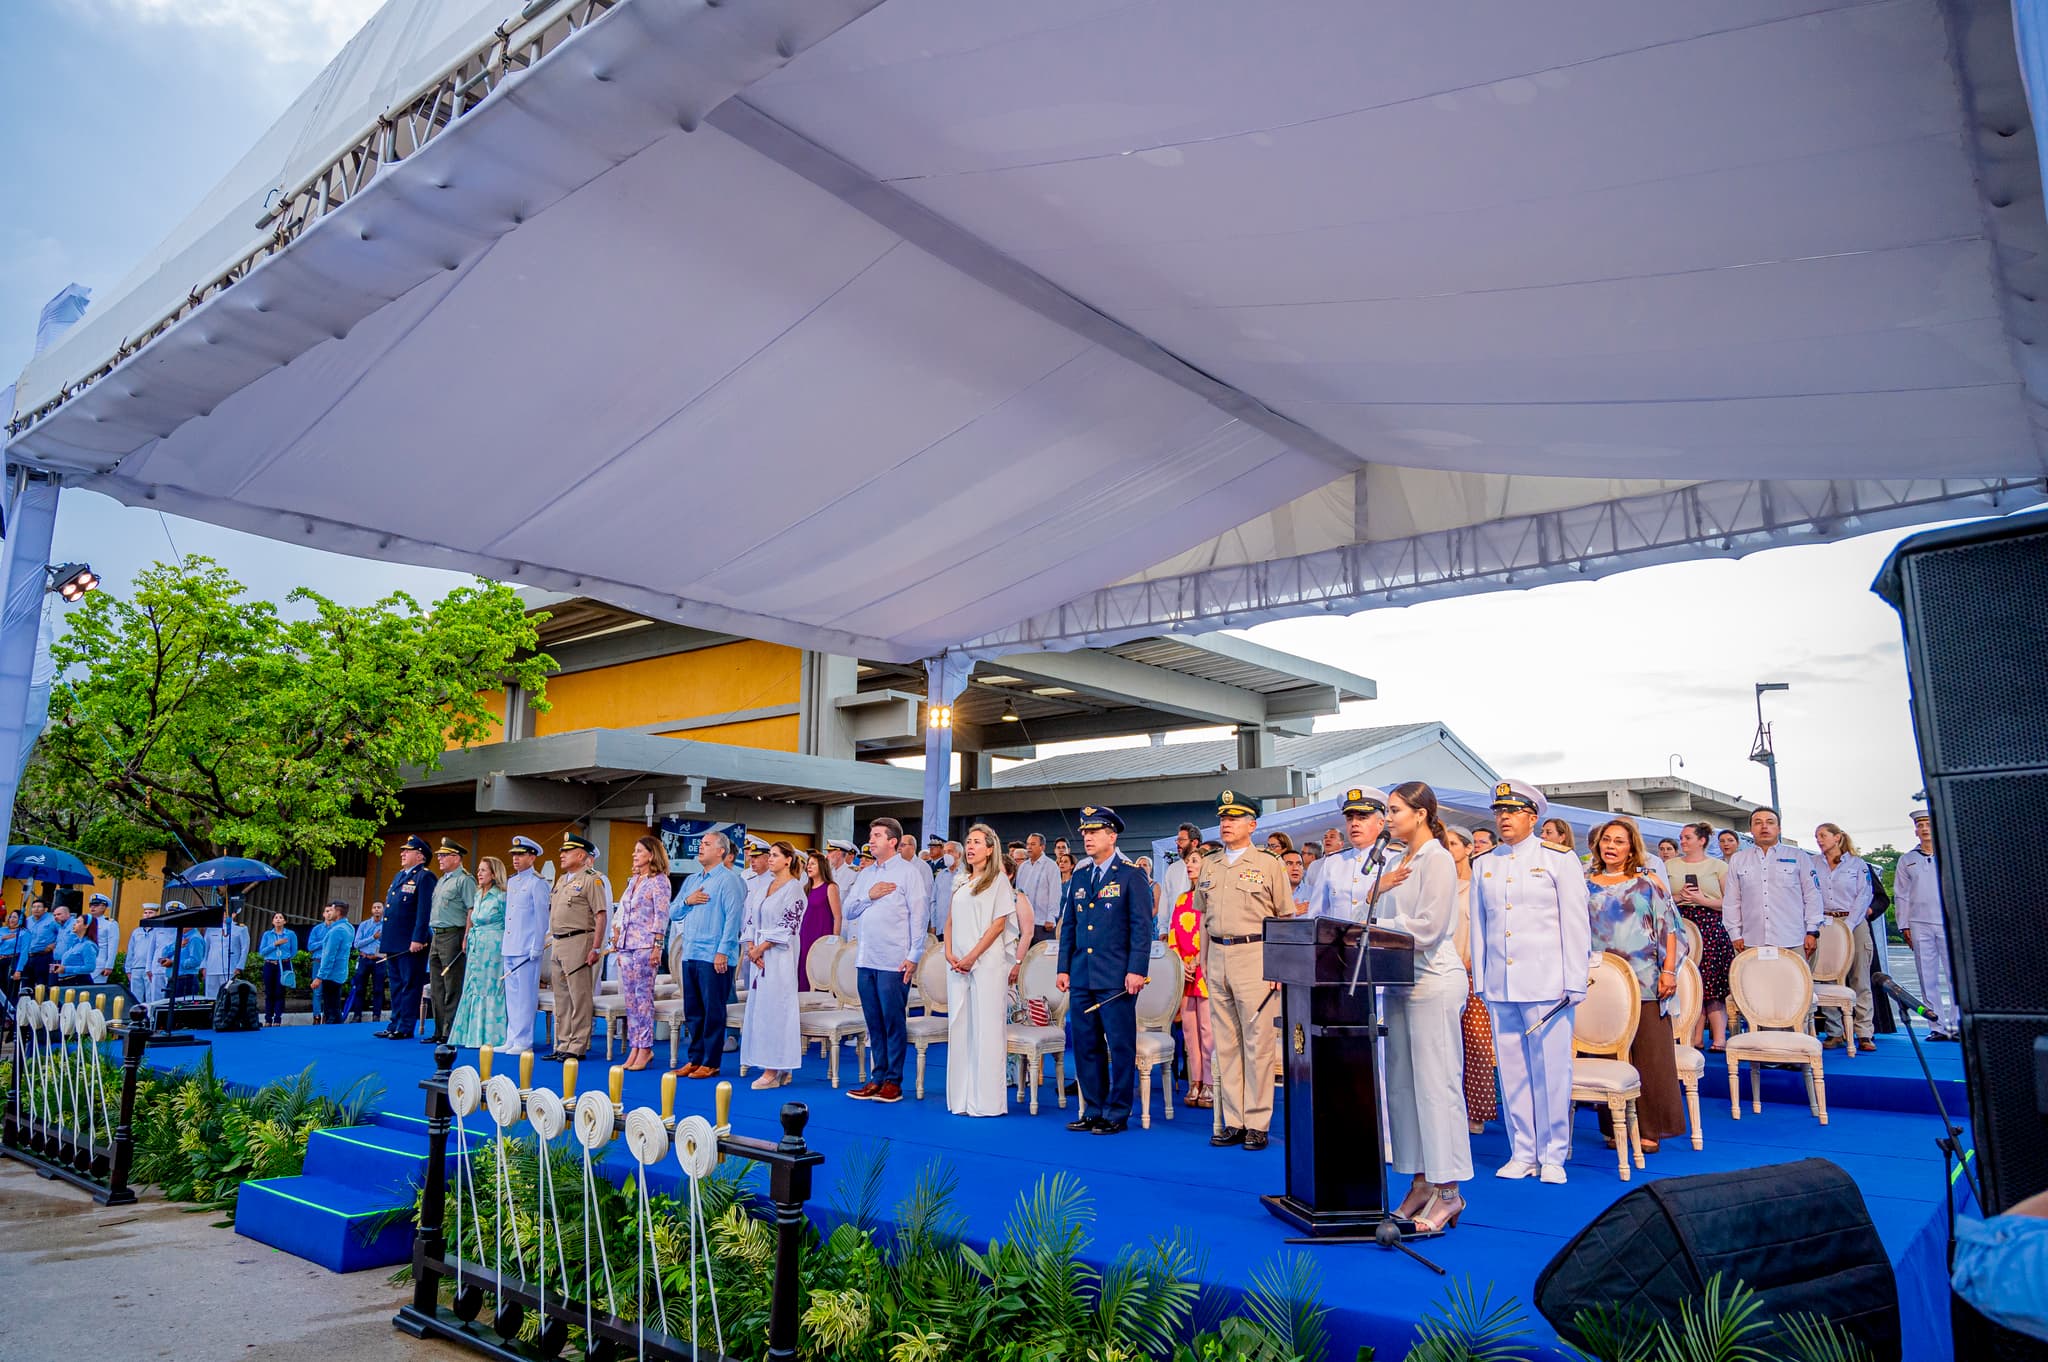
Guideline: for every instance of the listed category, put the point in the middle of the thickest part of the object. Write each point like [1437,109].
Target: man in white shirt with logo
[890,903]
[1916,894]
[1038,879]
[1174,882]
[1531,951]
[1772,896]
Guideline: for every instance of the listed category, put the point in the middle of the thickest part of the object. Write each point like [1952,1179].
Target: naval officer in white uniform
[1350,877]
[1916,894]
[1531,943]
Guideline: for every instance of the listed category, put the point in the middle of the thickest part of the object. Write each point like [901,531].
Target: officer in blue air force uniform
[1104,955]
[1531,944]
[406,934]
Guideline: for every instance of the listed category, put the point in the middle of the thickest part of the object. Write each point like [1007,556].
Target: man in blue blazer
[1105,953]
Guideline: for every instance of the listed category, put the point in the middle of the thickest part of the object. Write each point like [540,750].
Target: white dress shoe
[1515,1168]
[1553,1173]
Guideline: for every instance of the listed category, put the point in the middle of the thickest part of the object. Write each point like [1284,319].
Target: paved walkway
[156,1280]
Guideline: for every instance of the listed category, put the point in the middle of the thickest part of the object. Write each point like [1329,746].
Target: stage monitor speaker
[1973,601]
[1798,1234]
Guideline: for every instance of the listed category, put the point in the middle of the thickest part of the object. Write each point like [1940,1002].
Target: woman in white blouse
[1425,1042]
[1845,894]
[978,951]
[773,1037]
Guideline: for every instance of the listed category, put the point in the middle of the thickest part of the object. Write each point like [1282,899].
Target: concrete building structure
[1669,797]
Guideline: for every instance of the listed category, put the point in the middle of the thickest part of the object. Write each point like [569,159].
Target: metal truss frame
[1703,520]
[401,131]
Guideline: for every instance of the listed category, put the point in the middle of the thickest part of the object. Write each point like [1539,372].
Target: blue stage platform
[1147,1183]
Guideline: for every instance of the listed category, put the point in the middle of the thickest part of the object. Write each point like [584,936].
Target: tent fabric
[992,326]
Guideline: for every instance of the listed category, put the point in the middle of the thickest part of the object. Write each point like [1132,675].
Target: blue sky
[118,115]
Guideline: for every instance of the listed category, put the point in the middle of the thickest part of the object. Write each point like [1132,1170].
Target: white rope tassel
[501,1095]
[465,1090]
[647,1139]
[594,1123]
[544,1111]
[96,1027]
[697,1152]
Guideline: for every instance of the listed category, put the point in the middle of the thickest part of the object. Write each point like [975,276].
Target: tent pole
[24,560]
[945,678]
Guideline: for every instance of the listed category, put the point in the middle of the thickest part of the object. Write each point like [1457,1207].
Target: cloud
[1523,761]
[279,30]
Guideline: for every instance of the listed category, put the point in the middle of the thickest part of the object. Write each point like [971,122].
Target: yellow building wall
[493,702]
[128,894]
[770,735]
[741,675]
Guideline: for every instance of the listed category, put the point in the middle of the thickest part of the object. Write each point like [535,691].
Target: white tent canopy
[896,327]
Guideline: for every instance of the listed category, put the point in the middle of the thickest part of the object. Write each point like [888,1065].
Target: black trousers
[330,1001]
[406,977]
[369,986]
[273,992]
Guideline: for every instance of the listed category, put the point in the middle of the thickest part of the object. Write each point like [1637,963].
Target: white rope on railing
[697,1152]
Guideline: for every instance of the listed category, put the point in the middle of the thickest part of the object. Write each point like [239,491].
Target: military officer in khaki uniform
[1239,890]
[576,921]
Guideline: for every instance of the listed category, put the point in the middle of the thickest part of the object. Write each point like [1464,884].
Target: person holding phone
[1696,879]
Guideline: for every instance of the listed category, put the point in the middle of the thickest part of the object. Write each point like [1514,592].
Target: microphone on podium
[1879,979]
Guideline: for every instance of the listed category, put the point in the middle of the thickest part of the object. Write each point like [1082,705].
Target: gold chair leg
[1617,1115]
[1692,1111]
[1820,1094]
[920,1073]
[1734,1088]
[1635,1132]
[1145,1097]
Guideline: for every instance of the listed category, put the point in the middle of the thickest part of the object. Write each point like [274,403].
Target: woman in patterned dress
[1696,880]
[1633,917]
[480,1016]
[1482,1097]
[1184,935]
[772,1039]
[641,926]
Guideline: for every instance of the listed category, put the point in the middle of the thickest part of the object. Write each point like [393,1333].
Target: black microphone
[1879,979]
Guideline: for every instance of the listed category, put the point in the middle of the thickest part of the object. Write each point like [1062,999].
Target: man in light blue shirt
[705,933]
[893,908]
[369,984]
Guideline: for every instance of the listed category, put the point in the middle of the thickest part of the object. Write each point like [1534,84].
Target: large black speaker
[1798,1234]
[1973,601]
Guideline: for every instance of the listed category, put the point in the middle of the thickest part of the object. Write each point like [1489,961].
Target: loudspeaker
[1797,1233]
[1973,602]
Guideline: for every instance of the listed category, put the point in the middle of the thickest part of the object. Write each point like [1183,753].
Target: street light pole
[1761,751]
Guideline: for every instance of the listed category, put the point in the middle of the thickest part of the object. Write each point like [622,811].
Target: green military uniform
[575,909]
[1236,898]
[454,895]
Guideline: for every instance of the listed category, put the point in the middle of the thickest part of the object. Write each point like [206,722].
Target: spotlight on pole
[71,580]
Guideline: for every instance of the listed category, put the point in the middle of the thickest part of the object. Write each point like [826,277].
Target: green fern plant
[1468,1327]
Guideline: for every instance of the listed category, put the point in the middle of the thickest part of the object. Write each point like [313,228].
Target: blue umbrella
[46,864]
[226,870]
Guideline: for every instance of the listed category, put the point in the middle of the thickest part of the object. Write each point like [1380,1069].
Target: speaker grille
[2002,1106]
[1994,897]
[1982,623]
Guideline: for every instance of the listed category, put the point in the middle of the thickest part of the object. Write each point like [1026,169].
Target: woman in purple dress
[821,917]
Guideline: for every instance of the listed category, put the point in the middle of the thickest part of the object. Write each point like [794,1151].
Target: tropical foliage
[190,716]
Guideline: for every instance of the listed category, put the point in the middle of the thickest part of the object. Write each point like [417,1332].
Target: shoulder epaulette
[1555,846]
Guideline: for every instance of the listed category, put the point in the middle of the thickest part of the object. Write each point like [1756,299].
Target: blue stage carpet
[1148,1182]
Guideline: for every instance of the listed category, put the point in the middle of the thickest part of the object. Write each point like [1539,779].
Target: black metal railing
[790,1163]
[61,1119]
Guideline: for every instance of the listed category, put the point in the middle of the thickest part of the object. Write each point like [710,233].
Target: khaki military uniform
[573,910]
[1236,900]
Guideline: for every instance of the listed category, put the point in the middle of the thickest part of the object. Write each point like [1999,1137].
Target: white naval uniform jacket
[1531,935]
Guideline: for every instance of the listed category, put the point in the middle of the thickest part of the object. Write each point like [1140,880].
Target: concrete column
[31,521]
[822,730]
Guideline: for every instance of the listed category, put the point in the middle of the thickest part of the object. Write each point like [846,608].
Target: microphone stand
[1949,1142]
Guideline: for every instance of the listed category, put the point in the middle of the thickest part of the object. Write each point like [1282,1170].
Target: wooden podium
[1336,1181]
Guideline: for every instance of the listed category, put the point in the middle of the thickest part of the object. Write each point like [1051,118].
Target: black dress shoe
[552,1056]
[1255,1139]
[381,1035]
[1229,1135]
[1086,1123]
[1111,1127]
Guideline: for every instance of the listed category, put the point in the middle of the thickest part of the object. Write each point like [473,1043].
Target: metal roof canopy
[1063,324]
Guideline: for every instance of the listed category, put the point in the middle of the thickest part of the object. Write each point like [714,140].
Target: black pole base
[105,1196]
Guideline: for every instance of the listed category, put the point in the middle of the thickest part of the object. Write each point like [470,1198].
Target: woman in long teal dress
[480,1018]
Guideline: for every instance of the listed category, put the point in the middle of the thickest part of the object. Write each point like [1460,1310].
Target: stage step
[339,1225]
[379,1159]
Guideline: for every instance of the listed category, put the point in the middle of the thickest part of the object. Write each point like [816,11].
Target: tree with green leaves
[189,713]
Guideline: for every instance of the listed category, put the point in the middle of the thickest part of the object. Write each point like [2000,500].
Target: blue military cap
[415,843]
[1099,816]
[1365,800]
[1519,794]
[527,845]
[577,840]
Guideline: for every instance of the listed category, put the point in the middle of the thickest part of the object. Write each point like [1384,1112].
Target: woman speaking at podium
[1425,1035]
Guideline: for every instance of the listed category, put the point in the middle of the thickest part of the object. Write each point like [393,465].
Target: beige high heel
[1418,1197]
[1447,1206]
